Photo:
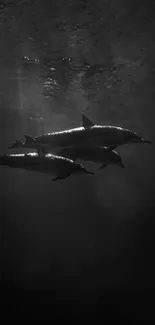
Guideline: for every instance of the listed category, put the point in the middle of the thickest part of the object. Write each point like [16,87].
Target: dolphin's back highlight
[48,163]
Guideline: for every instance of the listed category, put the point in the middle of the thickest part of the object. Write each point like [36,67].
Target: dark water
[82,248]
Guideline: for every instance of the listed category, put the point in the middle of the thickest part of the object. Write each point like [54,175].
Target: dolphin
[49,164]
[102,155]
[91,135]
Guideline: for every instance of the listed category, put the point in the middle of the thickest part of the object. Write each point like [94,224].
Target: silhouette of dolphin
[50,164]
[89,136]
[103,155]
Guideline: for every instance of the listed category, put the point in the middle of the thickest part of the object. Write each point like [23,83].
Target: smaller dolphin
[49,164]
[103,155]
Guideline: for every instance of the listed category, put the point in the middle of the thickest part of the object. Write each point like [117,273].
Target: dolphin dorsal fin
[86,122]
[29,139]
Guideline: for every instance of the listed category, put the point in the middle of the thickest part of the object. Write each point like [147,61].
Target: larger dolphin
[84,136]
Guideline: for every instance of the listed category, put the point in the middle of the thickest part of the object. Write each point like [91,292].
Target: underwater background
[82,248]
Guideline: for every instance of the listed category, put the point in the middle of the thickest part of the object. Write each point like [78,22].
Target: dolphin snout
[146,141]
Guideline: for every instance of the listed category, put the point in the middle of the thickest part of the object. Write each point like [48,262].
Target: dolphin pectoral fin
[86,122]
[57,178]
[28,139]
[103,166]
[146,141]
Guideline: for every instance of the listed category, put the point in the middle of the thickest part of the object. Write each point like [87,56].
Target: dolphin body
[50,164]
[102,155]
[88,135]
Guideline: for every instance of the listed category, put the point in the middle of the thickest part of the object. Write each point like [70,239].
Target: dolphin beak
[146,141]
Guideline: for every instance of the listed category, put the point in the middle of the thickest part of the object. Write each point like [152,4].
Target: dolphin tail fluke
[86,122]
